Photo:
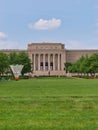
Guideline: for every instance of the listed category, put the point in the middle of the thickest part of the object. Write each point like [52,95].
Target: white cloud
[42,24]
[2,36]
[8,45]
[5,44]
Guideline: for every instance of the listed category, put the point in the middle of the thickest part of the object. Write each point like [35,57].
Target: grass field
[49,104]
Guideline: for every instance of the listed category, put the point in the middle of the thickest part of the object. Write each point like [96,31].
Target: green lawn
[49,104]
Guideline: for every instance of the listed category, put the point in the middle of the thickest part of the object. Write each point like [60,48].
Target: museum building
[49,58]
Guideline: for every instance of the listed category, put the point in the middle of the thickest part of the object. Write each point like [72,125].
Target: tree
[23,59]
[20,58]
[4,63]
[13,58]
[74,68]
[86,65]
[67,65]
[93,64]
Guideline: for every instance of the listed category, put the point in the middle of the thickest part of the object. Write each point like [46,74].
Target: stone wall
[74,55]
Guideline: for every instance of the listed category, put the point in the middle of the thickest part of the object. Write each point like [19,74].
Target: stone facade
[49,58]
[74,55]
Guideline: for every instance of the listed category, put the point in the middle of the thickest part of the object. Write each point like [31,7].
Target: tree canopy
[85,65]
[4,63]
[20,58]
[14,59]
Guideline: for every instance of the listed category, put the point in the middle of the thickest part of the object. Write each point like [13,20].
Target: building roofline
[46,43]
[81,49]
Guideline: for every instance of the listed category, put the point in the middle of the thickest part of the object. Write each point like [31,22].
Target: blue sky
[72,22]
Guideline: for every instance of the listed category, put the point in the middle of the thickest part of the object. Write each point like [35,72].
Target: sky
[71,22]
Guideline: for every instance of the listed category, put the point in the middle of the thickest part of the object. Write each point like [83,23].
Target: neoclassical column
[43,61]
[34,63]
[58,62]
[49,62]
[53,61]
[38,61]
[31,58]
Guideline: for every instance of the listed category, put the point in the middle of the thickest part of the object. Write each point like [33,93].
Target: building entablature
[45,46]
